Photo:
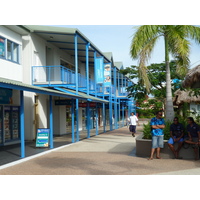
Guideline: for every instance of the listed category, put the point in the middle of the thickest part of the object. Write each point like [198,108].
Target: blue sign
[99,70]
[107,75]
[5,96]
[42,139]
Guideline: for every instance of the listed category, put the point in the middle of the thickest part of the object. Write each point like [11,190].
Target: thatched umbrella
[182,96]
[192,77]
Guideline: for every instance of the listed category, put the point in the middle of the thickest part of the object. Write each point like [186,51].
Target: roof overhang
[63,38]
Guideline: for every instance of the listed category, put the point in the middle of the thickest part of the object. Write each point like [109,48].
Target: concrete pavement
[110,153]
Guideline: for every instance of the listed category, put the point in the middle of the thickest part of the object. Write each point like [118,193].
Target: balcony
[54,76]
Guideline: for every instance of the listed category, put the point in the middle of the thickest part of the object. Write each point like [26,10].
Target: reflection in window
[15,52]
[2,47]
[9,50]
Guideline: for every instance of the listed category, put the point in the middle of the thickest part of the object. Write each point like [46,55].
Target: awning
[82,95]
[17,85]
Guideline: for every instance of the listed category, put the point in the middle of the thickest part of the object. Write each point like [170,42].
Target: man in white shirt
[133,122]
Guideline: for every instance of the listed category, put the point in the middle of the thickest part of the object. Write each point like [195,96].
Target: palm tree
[177,44]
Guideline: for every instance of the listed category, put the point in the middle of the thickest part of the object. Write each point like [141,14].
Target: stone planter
[143,149]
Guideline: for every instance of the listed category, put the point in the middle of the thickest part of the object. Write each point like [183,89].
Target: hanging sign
[99,70]
[42,139]
[107,75]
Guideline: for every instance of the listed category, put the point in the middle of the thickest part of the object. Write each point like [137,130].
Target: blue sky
[117,39]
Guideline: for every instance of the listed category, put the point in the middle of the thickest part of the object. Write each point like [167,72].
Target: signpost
[42,139]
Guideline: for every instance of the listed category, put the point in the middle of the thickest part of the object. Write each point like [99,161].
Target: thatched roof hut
[192,79]
[182,96]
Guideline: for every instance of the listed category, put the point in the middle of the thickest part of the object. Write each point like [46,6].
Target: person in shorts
[193,131]
[133,120]
[176,136]
[157,125]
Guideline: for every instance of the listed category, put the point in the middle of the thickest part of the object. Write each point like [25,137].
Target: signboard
[107,75]
[63,102]
[42,139]
[99,70]
[85,104]
[5,96]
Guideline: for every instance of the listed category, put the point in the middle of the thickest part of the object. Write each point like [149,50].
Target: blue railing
[59,75]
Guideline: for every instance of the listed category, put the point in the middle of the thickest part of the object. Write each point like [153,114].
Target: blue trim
[22,124]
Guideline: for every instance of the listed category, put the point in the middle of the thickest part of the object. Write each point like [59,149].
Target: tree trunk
[169,101]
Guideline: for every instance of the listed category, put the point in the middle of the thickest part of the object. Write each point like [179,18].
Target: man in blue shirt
[157,125]
[176,136]
[193,131]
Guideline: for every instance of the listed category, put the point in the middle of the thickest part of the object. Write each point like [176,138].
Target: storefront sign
[85,104]
[5,96]
[63,102]
[42,139]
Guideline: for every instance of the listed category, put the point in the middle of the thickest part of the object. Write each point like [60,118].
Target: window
[2,47]
[9,50]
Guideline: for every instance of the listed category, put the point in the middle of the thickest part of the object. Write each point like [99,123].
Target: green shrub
[147,130]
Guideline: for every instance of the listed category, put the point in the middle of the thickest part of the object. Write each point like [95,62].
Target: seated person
[193,131]
[176,135]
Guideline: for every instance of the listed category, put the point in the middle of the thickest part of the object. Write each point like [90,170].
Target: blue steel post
[110,108]
[119,114]
[72,111]
[95,71]
[76,74]
[97,117]
[123,114]
[22,124]
[115,100]
[87,85]
[104,109]
[51,121]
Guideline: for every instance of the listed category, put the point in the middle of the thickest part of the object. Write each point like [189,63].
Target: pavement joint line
[33,156]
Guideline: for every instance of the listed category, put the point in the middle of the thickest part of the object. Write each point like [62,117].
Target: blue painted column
[97,118]
[77,121]
[76,75]
[115,100]
[110,108]
[51,121]
[22,124]
[87,86]
[104,118]
[72,111]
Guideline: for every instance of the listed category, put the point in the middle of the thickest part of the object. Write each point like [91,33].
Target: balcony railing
[49,76]
[59,75]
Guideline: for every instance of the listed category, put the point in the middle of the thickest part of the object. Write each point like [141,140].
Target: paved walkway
[110,153]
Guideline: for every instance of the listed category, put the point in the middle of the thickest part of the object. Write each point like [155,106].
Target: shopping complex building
[55,78]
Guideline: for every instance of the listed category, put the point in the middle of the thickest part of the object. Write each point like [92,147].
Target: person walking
[176,136]
[157,125]
[133,120]
[193,131]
